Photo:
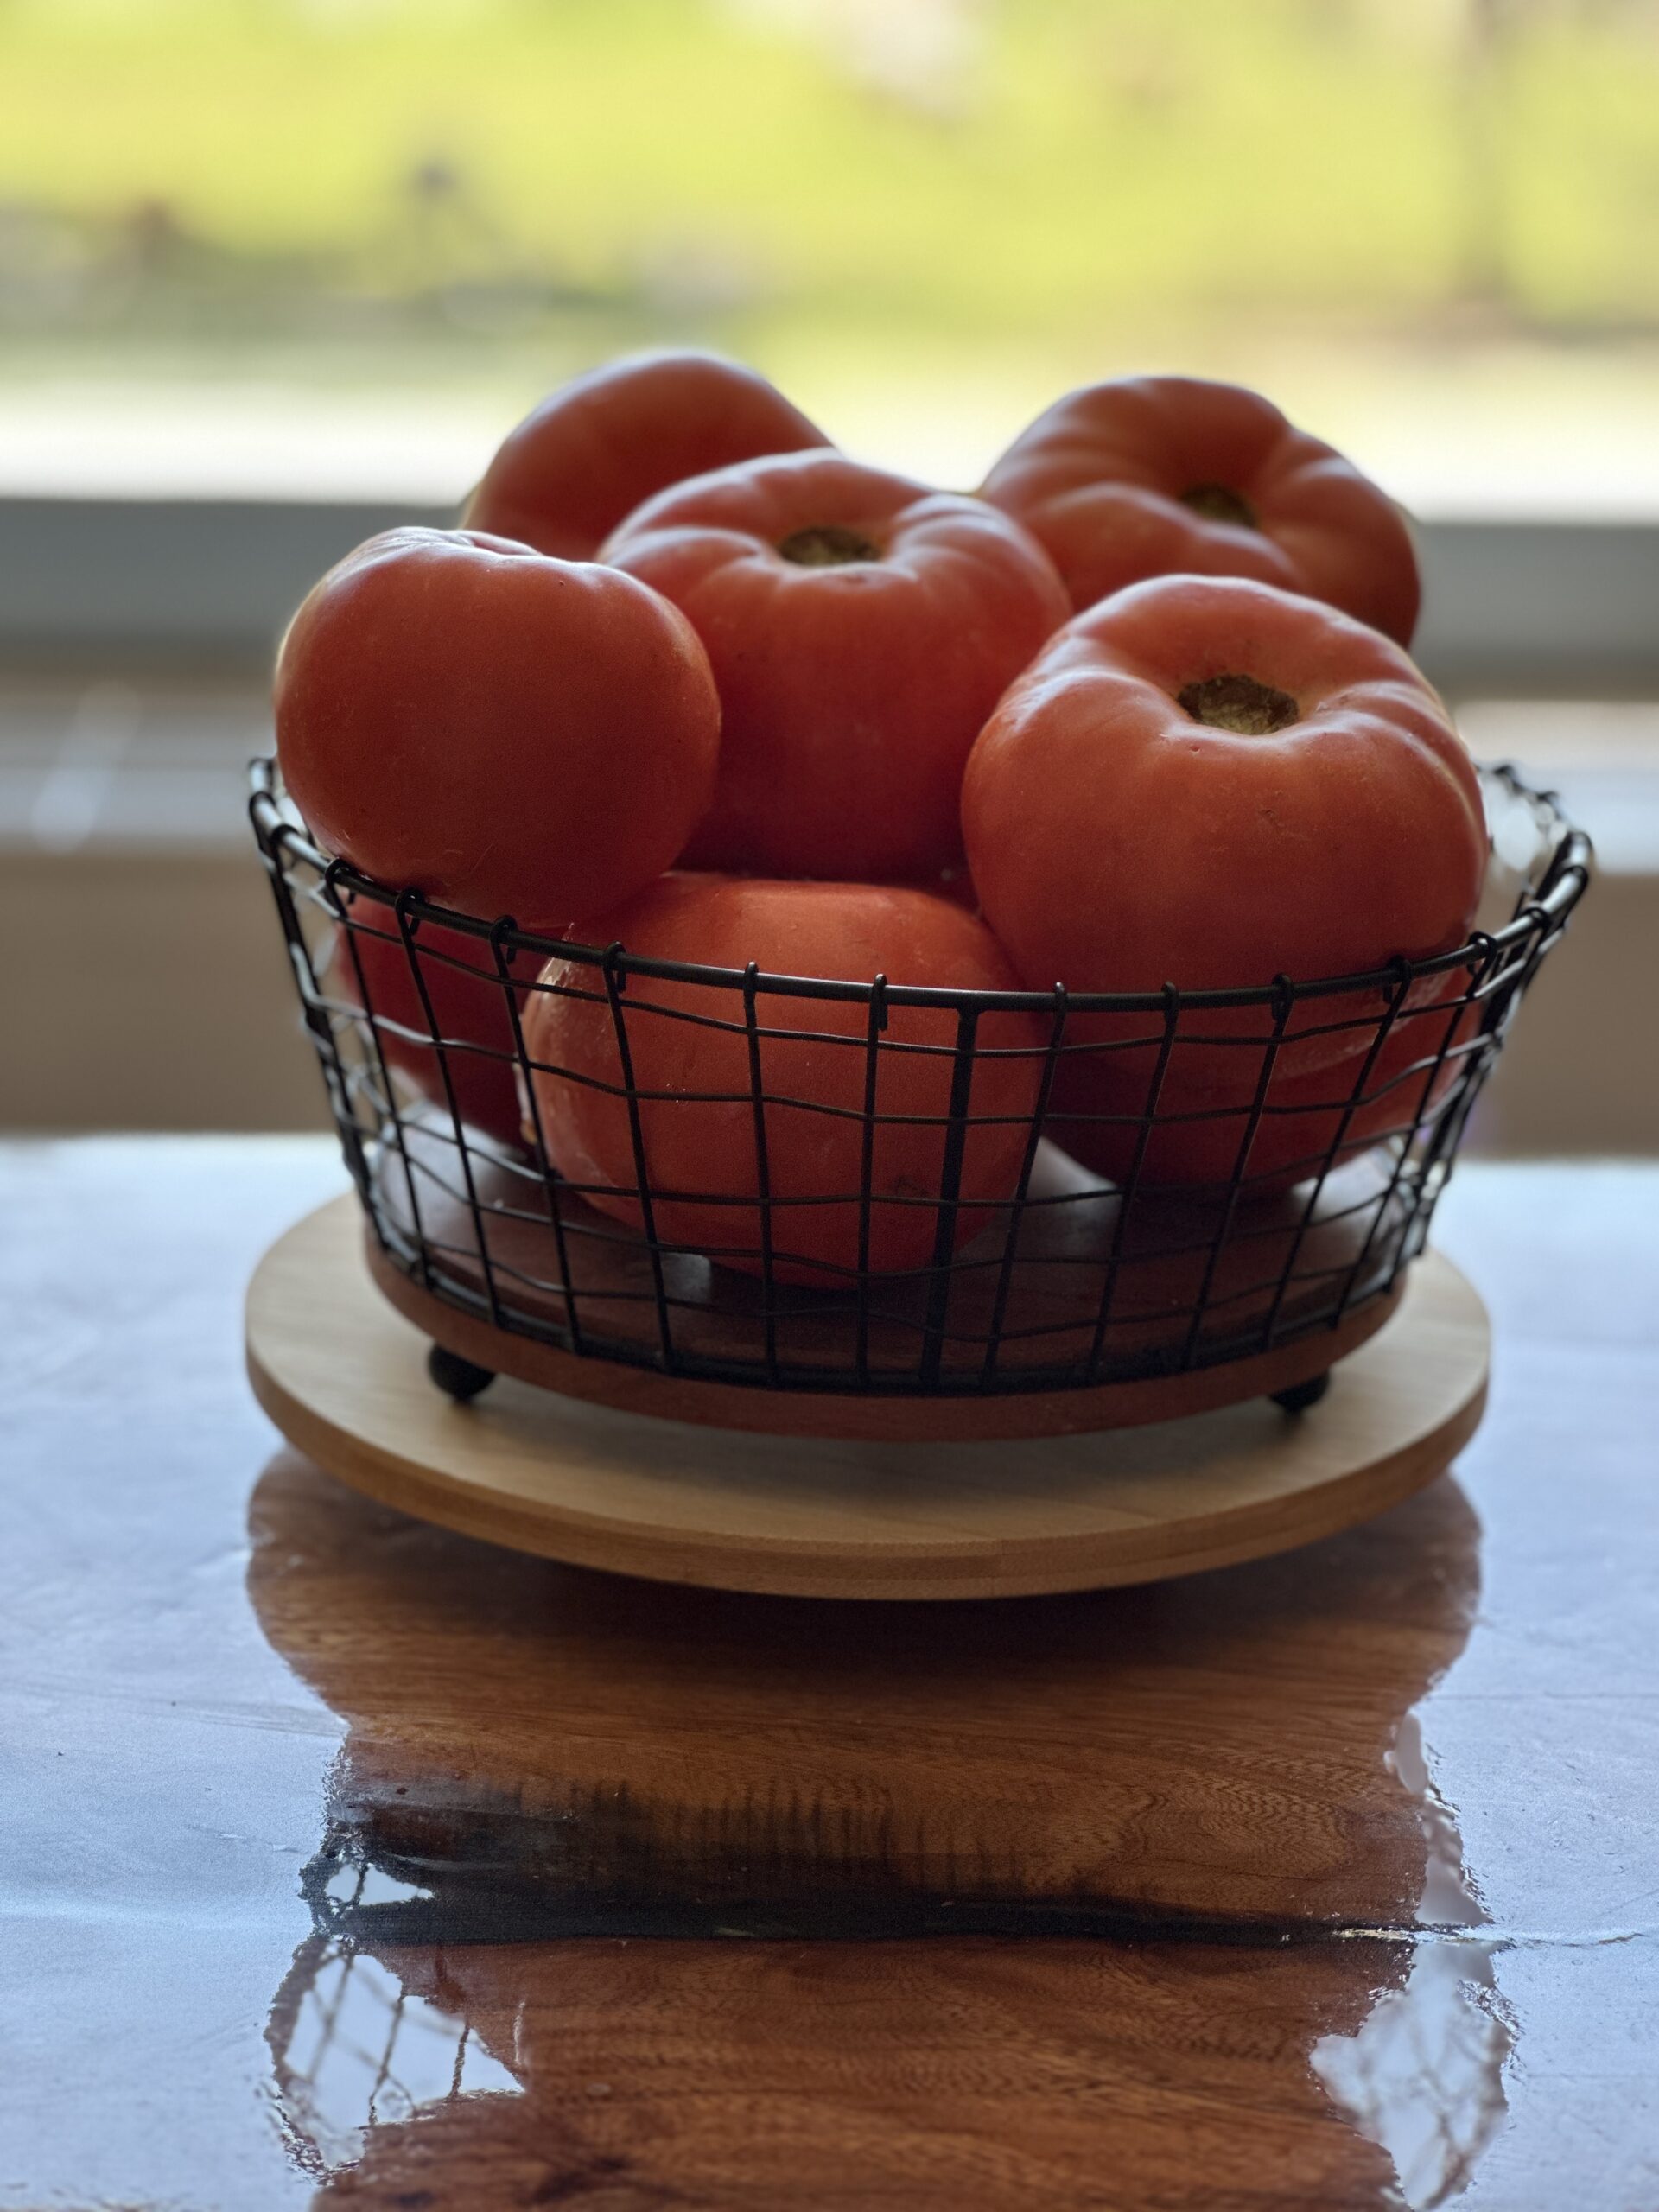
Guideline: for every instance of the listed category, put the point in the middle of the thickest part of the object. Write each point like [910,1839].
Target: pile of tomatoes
[691,679]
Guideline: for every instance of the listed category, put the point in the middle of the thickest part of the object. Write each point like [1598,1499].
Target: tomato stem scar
[1238,703]
[828,545]
[1220,503]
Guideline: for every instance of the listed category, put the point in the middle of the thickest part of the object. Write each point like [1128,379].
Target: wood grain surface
[557,1752]
[1043,1901]
[345,1378]
[982,2074]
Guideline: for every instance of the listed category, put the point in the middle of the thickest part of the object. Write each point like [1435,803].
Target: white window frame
[168,580]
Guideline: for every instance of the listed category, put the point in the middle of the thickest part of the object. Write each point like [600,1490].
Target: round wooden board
[344,1377]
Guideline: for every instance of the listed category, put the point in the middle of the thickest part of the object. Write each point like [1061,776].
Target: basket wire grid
[1061,1279]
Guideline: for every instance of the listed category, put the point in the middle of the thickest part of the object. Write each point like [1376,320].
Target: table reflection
[1205,1797]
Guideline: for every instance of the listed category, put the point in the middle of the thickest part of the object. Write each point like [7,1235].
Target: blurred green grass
[1032,169]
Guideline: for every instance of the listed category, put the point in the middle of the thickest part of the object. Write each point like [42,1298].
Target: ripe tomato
[508,734]
[467,1007]
[587,456]
[1152,475]
[1330,1112]
[1208,782]
[695,1112]
[860,628]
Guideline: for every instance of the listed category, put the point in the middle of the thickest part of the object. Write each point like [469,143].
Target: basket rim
[1565,878]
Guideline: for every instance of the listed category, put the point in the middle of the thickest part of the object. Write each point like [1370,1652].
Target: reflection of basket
[355,2052]
[1065,1280]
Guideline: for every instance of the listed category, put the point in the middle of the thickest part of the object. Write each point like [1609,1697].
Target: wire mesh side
[844,1186]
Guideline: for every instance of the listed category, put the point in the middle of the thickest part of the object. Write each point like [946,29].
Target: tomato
[1330,1112]
[589,455]
[1152,475]
[696,1116]
[468,1006]
[860,628]
[506,733]
[1209,783]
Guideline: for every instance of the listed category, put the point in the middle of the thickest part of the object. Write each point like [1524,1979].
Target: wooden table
[345,1856]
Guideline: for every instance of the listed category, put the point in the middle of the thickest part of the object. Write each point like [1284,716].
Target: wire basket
[1181,1178]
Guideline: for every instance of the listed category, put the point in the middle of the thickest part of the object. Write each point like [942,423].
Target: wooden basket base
[875,1418]
[345,1379]
[1063,1262]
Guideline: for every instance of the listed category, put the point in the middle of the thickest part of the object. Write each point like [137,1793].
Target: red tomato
[507,733]
[1152,475]
[1305,1118]
[1210,783]
[587,456]
[860,628]
[468,1007]
[696,1116]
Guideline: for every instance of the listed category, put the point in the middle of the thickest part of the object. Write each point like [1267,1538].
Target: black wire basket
[1017,1192]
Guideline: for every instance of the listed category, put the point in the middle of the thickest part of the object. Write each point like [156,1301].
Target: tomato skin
[459,715]
[605,442]
[846,930]
[468,1006]
[852,693]
[1117,844]
[1100,478]
[1305,1116]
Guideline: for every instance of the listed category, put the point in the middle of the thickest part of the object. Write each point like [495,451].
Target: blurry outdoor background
[275,272]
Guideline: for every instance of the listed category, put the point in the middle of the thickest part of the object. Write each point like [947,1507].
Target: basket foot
[457,1377]
[1301,1396]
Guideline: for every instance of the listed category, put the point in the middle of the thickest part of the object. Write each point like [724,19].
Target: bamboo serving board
[344,1377]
